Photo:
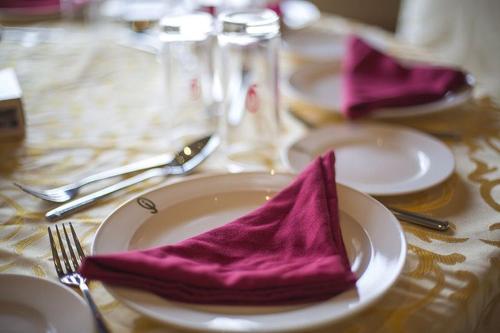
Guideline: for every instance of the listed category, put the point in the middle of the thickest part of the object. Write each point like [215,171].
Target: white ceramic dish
[377,159]
[320,86]
[29,304]
[374,241]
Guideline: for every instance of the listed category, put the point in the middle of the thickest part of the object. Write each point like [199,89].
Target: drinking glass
[249,43]
[187,42]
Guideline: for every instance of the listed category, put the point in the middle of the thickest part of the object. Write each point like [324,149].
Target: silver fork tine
[63,251]
[55,255]
[77,242]
[70,248]
[72,278]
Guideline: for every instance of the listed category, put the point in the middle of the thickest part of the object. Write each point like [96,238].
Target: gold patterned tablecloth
[92,104]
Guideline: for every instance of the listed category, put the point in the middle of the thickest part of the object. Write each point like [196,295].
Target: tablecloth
[92,104]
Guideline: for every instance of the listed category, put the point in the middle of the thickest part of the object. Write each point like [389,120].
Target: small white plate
[29,304]
[314,45]
[373,237]
[320,86]
[377,159]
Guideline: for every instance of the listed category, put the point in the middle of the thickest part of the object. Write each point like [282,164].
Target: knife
[422,220]
[184,161]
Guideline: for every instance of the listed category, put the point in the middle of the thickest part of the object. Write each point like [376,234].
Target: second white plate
[30,304]
[377,159]
[374,242]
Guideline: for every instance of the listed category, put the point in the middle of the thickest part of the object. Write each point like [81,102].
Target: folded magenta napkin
[372,80]
[36,7]
[290,250]
[30,7]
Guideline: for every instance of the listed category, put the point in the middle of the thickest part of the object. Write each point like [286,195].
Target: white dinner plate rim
[293,92]
[450,167]
[367,302]
[25,279]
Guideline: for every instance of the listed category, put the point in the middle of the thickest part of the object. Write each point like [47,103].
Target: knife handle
[87,200]
[420,219]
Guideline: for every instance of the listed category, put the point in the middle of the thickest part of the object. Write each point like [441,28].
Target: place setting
[250,231]
[227,270]
[367,82]
[240,233]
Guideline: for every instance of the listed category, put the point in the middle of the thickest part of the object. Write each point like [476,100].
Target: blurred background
[459,32]
[456,32]
[382,13]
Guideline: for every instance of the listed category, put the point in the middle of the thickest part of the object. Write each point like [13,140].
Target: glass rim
[250,22]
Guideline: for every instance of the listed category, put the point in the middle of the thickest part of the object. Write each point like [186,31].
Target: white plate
[29,304]
[315,45]
[320,86]
[377,159]
[374,242]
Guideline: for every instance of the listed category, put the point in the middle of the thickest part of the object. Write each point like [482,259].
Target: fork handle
[84,201]
[99,320]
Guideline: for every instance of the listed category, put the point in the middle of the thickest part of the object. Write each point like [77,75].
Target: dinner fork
[69,191]
[71,277]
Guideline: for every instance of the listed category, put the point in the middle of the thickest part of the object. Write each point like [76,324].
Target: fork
[71,277]
[69,191]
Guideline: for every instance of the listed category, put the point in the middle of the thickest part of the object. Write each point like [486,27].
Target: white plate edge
[372,122]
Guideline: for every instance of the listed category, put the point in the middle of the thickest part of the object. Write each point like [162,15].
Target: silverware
[70,275]
[184,162]
[422,220]
[69,191]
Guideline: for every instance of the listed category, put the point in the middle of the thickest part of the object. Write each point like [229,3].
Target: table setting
[255,170]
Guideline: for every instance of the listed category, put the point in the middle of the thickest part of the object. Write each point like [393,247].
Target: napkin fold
[289,250]
[373,80]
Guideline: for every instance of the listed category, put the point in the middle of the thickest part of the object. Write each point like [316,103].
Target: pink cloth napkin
[30,7]
[290,250]
[372,80]
[27,3]
[36,7]
[275,6]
